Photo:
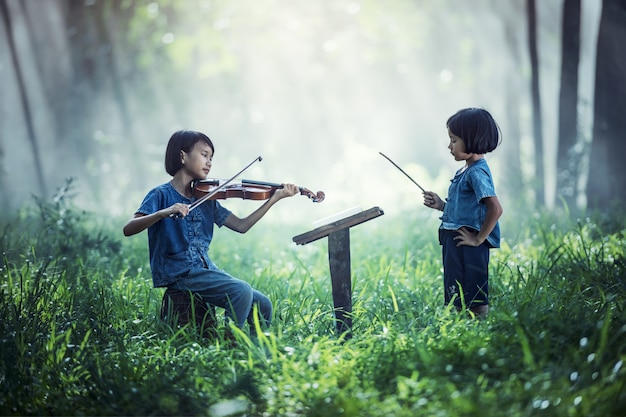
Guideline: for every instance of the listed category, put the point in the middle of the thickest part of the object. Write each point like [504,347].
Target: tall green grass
[80,332]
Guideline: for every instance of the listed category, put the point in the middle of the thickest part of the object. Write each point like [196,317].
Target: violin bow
[219,187]
[401,170]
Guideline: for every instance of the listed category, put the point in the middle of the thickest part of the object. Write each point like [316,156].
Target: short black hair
[477,128]
[182,140]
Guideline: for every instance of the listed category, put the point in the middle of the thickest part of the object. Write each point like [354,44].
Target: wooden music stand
[338,233]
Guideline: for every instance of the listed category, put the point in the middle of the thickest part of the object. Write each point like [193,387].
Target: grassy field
[81,335]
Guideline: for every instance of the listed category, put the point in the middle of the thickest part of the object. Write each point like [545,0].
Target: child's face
[198,161]
[457,147]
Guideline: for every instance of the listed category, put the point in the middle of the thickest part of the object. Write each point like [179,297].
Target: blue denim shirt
[463,205]
[179,244]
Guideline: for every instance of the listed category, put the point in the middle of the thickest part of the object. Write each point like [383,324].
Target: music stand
[338,233]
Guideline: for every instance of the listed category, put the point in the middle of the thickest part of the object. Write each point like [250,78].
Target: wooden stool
[178,307]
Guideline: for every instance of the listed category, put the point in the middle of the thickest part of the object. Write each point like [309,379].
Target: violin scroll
[315,197]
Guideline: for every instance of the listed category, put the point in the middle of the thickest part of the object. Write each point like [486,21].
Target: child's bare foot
[480,311]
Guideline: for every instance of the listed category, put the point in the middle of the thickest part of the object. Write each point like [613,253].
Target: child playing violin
[469,224]
[179,239]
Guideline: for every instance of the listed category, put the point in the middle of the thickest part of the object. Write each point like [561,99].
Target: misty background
[93,89]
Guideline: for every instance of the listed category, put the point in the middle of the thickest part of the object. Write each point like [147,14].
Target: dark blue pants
[235,296]
[465,271]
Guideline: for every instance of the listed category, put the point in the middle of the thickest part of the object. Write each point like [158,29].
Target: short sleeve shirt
[464,206]
[179,244]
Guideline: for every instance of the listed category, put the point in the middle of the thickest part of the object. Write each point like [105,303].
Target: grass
[81,334]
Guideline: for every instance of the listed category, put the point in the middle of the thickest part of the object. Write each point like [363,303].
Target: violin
[246,190]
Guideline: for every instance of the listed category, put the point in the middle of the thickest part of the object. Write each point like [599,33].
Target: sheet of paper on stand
[337,216]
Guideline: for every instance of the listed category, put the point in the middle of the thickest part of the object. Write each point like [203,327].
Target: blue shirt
[464,207]
[179,244]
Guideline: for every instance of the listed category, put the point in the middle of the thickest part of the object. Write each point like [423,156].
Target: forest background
[93,89]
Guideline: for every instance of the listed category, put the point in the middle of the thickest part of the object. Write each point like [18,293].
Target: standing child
[469,224]
[179,239]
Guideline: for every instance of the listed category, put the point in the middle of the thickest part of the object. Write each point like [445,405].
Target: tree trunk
[23,96]
[536,101]
[514,96]
[568,155]
[607,173]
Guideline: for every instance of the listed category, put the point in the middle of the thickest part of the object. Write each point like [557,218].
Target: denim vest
[179,244]
[463,205]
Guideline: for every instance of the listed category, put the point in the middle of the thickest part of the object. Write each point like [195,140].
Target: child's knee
[246,293]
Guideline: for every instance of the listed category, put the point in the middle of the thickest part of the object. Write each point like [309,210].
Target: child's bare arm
[242,225]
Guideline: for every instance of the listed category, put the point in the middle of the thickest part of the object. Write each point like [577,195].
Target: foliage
[80,333]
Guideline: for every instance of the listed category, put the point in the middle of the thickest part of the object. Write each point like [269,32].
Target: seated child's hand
[288,190]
